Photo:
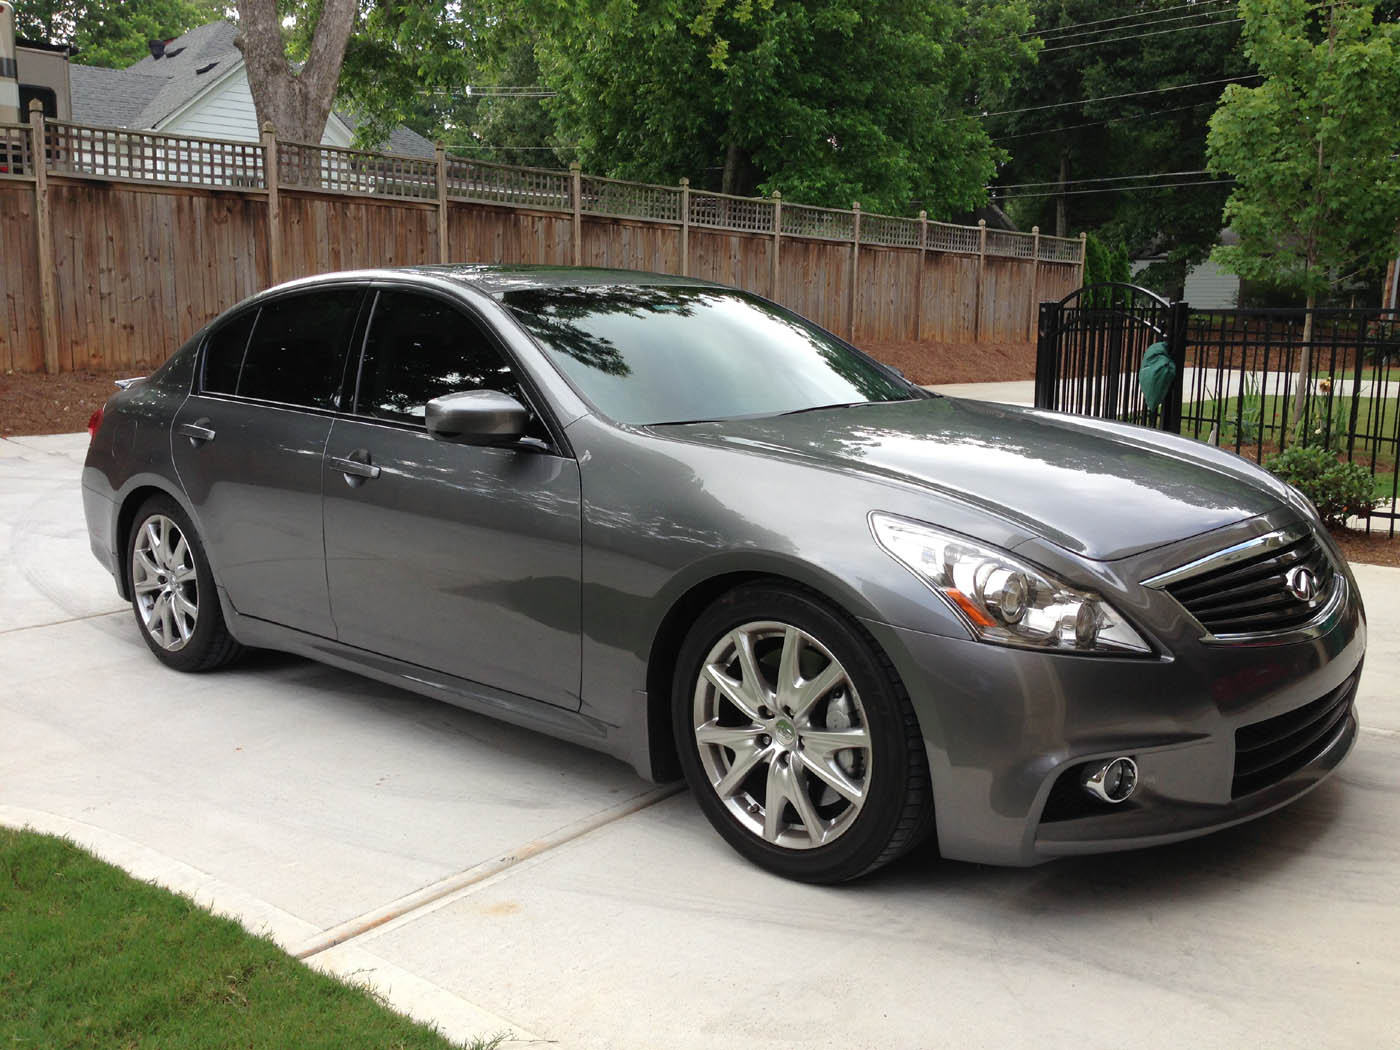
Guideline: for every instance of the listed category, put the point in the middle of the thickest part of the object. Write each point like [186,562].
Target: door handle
[197,432]
[356,471]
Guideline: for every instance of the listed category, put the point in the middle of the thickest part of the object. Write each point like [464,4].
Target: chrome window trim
[1322,622]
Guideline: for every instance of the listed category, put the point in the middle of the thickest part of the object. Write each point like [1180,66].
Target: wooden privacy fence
[120,244]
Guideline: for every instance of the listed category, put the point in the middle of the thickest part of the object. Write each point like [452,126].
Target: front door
[457,558]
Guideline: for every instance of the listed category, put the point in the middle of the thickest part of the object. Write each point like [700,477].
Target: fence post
[43,222]
[576,191]
[855,254]
[440,155]
[919,277]
[274,204]
[981,272]
[777,236]
[1178,319]
[685,227]
[1047,356]
[1035,277]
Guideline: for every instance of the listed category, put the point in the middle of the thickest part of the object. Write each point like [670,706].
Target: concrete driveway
[487,879]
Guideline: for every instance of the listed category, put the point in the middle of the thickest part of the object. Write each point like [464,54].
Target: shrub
[1338,490]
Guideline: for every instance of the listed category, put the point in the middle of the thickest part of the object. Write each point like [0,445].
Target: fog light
[1112,782]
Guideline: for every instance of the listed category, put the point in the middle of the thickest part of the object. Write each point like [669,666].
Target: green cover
[1156,375]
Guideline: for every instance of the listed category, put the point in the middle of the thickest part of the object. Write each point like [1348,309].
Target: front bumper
[1003,727]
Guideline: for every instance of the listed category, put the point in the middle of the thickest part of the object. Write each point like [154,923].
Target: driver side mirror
[477,417]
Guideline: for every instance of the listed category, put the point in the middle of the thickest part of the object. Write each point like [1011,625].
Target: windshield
[681,355]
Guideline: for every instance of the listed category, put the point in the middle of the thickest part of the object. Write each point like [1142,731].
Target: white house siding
[1208,287]
[227,112]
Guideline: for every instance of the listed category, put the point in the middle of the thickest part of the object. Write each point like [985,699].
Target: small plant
[1338,490]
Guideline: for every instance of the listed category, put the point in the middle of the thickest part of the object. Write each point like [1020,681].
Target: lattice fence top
[889,230]
[337,170]
[832,224]
[486,183]
[1059,249]
[629,200]
[14,150]
[143,156]
[724,212]
[1009,242]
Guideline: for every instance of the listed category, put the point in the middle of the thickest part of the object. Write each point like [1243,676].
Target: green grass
[1269,411]
[90,957]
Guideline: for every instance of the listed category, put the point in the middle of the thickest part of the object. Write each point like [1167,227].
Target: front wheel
[172,590]
[797,737]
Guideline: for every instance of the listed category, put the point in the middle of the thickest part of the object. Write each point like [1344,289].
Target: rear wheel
[172,590]
[798,738]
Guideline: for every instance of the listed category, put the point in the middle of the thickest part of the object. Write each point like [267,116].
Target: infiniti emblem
[1301,583]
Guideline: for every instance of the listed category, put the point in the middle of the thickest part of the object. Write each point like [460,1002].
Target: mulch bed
[1376,549]
[60,404]
[929,363]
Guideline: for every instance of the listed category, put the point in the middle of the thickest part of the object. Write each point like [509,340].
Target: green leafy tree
[112,33]
[1312,149]
[1157,68]
[827,101]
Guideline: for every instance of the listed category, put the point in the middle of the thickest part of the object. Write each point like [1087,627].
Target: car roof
[497,280]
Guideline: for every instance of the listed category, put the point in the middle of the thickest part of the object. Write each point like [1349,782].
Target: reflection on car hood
[1100,495]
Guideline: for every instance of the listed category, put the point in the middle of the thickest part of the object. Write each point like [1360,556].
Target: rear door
[457,558]
[248,446]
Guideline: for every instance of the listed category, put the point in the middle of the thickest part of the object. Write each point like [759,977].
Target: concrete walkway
[487,879]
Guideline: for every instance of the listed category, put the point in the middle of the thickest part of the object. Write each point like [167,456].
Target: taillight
[95,421]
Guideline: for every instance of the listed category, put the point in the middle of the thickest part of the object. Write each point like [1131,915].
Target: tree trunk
[1300,395]
[733,164]
[1061,207]
[297,104]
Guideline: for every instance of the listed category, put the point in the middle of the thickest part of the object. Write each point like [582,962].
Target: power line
[1146,23]
[1106,178]
[1106,98]
[1055,30]
[1139,36]
[1098,123]
[1118,189]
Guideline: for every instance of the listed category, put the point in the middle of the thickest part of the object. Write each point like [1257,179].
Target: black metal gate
[1090,347]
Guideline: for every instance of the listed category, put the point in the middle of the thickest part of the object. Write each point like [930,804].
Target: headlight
[1003,600]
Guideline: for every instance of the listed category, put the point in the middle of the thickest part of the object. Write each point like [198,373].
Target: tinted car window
[297,353]
[677,354]
[420,348]
[223,355]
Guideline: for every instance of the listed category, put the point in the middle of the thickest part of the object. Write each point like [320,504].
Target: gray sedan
[679,524]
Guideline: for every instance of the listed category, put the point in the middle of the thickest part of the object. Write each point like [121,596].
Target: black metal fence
[1238,376]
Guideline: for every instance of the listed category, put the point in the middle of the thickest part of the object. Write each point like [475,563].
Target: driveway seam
[433,892]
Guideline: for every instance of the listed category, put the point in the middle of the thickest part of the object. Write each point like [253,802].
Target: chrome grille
[1252,590]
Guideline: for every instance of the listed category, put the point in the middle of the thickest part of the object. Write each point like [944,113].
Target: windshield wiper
[818,408]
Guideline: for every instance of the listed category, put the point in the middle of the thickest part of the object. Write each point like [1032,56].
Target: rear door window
[223,353]
[296,355]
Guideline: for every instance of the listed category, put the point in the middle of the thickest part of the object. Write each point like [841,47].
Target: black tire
[198,642]
[896,808]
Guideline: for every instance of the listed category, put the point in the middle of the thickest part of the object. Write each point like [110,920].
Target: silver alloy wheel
[165,584]
[782,735]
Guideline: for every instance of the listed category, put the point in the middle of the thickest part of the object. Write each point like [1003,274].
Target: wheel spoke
[180,556]
[167,621]
[748,666]
[802,802]
[744,762]
[726,736]
[789,669]
[826,742]
[774,801]
[185,606]
[834,777]
[146,562]
[734,692]
[146,586]
[810,690]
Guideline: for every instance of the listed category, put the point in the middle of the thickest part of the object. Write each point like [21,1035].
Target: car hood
[1099,490]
